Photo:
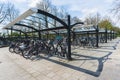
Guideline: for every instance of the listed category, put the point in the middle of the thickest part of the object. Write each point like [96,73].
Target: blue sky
[80,8]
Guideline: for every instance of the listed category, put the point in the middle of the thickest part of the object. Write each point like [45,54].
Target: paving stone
[86,65]
[51,74]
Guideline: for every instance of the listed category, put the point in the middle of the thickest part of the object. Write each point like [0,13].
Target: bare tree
[75,20]
[116,9]
[12,12]
[54,11]
[93,19]
[44,5]
[2,12]
[7,12]
[97,19]
[63,13]
[59,12]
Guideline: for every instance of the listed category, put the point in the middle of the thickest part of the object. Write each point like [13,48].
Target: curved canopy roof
[34,20]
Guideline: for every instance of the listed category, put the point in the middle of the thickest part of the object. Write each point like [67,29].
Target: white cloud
[13,1]
[75,8]
[3,0]
[82,7]
[32,3]
[89,10]
[109,1]
[62,2]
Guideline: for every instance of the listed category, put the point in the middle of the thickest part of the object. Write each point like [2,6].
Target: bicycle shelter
[36,20]
[87,30]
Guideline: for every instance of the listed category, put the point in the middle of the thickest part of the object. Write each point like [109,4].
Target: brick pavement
[87,64]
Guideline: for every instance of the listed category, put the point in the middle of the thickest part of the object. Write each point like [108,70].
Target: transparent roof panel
[84,28]
[31,19]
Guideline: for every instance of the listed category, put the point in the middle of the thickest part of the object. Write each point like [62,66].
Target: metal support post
[97,36]
[11,33]
[113,35]
[20,36]
[106,35]
[69,39]
[26,36]
[88,36]
[39,34]
[110,35]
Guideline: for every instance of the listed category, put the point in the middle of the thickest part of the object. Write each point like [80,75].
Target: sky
[79,8]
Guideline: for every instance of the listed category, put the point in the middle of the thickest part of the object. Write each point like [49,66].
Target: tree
[44,5]
[106,24]
[12,12]
[117,29]
[7,12]
[63,13]
[75,20]
[93,19]
[116,9]
[54,11]
[2,12]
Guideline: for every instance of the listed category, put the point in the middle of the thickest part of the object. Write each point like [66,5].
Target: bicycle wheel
[11,49]
[57,50]
[51,50]
[25,53]
[17,50]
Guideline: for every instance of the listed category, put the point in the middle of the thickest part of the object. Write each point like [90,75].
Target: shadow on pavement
[80,57]
[96,73]
[111,47]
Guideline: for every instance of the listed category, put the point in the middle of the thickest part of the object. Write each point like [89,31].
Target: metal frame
[66,26]
[31,11]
